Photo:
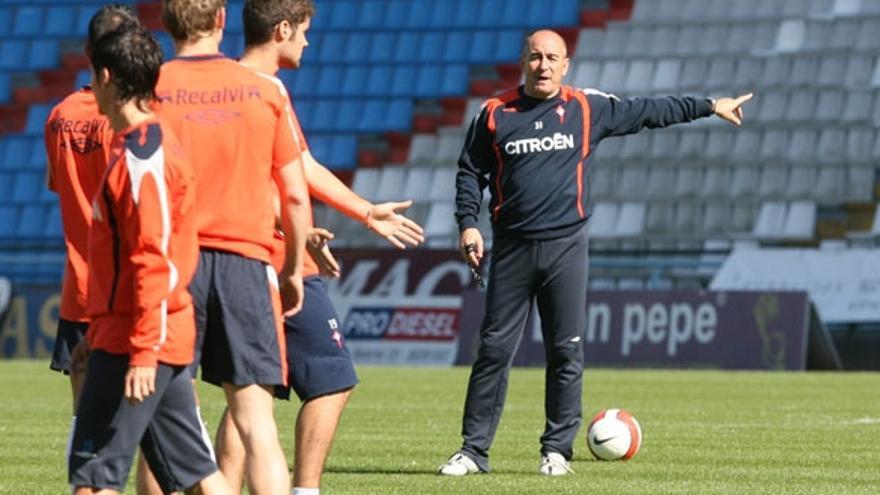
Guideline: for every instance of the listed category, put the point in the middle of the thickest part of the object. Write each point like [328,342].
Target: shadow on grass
[378,470]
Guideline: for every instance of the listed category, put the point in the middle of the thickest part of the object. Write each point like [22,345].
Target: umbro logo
[84,145]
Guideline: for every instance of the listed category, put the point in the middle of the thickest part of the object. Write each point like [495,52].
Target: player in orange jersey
[321,371]
[143,251]
[78,139]
[233,124]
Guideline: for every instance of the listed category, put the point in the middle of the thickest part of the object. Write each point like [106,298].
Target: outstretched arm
[385,219]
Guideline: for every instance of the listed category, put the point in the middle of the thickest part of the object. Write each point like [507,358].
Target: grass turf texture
[706,432]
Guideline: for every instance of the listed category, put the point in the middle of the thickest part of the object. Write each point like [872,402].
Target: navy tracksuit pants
[553,272]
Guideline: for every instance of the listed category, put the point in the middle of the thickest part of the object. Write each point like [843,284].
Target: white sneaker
[458,465]
[553,464]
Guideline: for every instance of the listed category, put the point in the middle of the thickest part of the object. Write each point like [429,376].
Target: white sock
[305,491]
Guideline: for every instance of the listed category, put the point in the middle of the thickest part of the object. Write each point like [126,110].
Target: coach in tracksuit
[532,147]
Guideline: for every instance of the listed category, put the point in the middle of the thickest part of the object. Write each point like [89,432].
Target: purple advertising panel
[676,328]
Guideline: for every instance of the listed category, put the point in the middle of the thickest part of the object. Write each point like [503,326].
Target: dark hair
[261,16]
[133,58]
[110,18]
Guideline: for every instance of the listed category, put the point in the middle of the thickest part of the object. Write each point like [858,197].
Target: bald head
[544,63]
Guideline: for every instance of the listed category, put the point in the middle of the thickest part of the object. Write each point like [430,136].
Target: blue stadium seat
[512,13]
[396,13]
[83,78]
[319,147]
[374,115]
[43,54]
[382,47]
[419,15]
[5,19]
[53,226]
[455,80]
[345,14]
[5,88]
[465,15]
[404,80]
[329,80]
[6,180]
[233,18]
[378,81]
[457,46]
[357,47]
[344,153]
[304,82]
[399,115]
[232,45]
[60,20]
[483,47]
[348,114]
[15,152]
[564,12]
[36,118]
[330,47]
[322,117]
[83,15]
[31,220]
[428,80]
[489,13]
[433,46]
[28,21]
[38,154]
[305,110]
[372,14]
[13,53]
[167,44]
[354,81]
[26,187]
[442,14]
[8,219]
[509,45]
[407,47]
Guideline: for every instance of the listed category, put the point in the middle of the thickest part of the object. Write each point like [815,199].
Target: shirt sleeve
[612,116]
[145,220]
[474,167]
[286,148]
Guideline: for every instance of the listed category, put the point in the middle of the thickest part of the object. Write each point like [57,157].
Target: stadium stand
[388,88]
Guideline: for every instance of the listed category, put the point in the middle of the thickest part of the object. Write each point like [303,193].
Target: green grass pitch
[706,432]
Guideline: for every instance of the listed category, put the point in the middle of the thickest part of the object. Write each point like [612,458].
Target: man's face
[292,50]
[544,64]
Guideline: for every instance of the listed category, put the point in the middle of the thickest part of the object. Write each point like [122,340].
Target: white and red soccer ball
[614,434]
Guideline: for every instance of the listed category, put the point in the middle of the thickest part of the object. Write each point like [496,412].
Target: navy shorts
[166,426]
[317,357]
[239,337]
[69,334]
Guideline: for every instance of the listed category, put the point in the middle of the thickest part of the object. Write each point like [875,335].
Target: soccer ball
[614,434]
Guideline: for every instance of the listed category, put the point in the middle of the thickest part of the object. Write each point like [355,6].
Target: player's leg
[251,409]
[316,426]
[508,298]
[322,375]
[562,306]
[231,455]
[108,429]
[243,352]
[175,444]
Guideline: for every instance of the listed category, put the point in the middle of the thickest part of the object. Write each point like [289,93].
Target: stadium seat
[829,105]
[441,220]
[802,146]
[687,181]
[15,152]
[666,75]
[31,220]
[357,48]
[428,80]
[632,180]
[639,76]
[860,183]
[660,183]
[658,218]
[801,180]
[418,183]
[613,75]
[693,74]
[831,145]
[8,220]
[791,35]
[800,220]
[859,103]
[53,227]
[601,184]
[603,222]
[774,145]
[371,14]
[829,183]
[234,23]
[26,187]
[772,180]
[771,219]
[5,88]
[443,188]
[869,34]
[630,220]
[382,47]
[391,183]
[60,20]
[28,21]
[13,54]
[743,182]
[365,182]
[36,118]
[84,14]
[858,145]
[5,19]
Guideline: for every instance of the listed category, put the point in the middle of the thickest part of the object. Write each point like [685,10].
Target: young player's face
[292,51]
[544,64]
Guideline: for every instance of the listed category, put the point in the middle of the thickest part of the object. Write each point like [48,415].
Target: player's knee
[492,355]
[566,355]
